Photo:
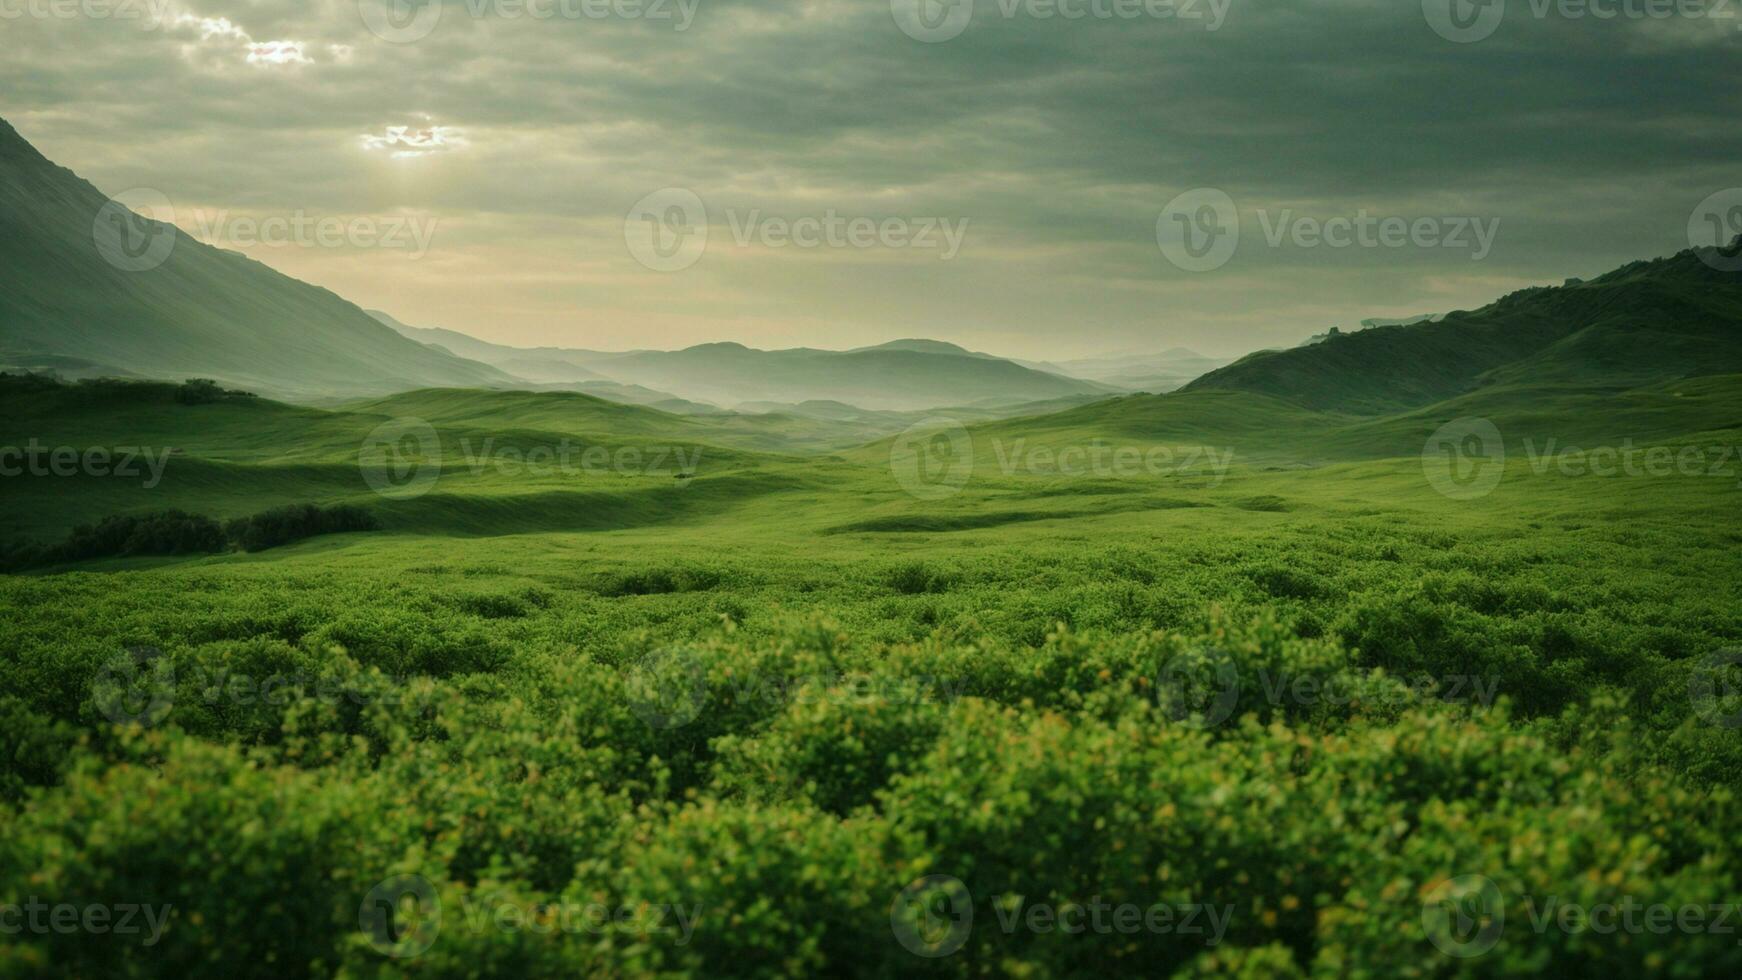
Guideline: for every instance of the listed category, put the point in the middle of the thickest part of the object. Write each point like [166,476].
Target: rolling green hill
[202,312]
[1648,322]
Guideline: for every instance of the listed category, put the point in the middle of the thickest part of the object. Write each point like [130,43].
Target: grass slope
[1647,322]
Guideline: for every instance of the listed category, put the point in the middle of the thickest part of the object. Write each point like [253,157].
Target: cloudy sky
[999,175]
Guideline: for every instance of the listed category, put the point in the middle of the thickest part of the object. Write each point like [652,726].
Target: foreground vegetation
[1300,716]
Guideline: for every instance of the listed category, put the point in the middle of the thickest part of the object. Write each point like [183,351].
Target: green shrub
[282,525]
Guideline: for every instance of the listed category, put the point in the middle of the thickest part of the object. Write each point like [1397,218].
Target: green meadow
[1182,685]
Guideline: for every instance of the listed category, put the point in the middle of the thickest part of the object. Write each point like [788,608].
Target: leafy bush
[204,391]
[170,532]
[282,525]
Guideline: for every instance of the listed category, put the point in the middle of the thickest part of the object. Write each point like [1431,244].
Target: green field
[1230,685]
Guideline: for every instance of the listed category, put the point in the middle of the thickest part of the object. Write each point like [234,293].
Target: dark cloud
[1059,140]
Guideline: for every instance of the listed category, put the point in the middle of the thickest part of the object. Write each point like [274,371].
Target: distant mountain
[536,364]
[902,375]
[883,378]
[1647,322]
[68,305]
[1140,370]
[924,346]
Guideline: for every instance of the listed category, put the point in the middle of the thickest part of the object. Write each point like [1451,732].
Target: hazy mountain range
[71,306]
[97,290]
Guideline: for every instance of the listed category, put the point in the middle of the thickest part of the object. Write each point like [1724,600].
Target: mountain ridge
[1648,321]
[190,309]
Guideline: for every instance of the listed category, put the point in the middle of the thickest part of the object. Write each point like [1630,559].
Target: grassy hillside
[203,312]
[1310,698]
[1648,322]
[1323,676]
